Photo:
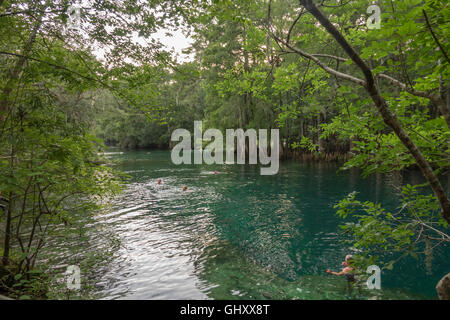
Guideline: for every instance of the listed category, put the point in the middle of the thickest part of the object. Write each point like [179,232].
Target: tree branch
[434,36]
[55,66]
[389,118]
[434,98]
[319,63]
[293,25]
[403,86]
[329,56]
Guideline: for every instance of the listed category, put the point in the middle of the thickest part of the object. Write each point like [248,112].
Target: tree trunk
[16,70]
[448,97]
[7,238]
[389,118]
[320,141]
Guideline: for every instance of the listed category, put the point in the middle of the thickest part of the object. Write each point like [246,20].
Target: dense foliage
[336,89]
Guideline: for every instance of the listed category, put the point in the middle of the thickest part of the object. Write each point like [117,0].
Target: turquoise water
[240,235]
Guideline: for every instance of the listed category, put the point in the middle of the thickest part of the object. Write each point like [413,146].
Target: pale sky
[177,41]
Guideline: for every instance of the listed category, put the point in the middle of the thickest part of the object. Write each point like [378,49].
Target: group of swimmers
[160,182]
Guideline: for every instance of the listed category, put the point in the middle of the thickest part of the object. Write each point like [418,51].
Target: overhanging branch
[318,62]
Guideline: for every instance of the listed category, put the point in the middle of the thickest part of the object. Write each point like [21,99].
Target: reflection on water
[239,235]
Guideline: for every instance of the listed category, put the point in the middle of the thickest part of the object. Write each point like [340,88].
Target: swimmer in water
[215,171]
[348,271]
[159,181]
[184,188]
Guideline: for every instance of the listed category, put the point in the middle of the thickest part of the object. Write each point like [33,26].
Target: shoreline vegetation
[337,88]
[290,155]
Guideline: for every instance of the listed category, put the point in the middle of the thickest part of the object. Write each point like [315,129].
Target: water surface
[240,235]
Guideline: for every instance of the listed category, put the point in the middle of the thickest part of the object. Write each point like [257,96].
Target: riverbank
[291,154]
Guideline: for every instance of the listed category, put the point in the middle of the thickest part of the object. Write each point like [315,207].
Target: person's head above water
[347,264]
[159,181]
[184,188]
[348,260]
